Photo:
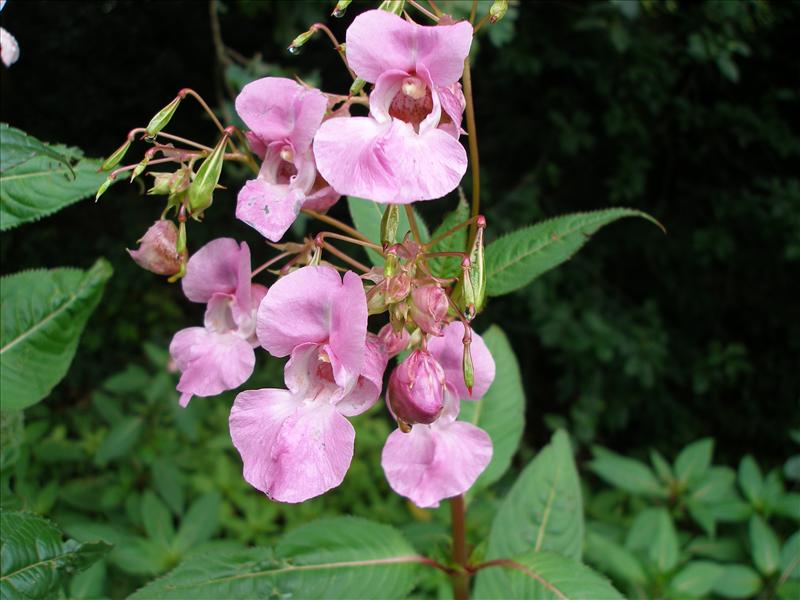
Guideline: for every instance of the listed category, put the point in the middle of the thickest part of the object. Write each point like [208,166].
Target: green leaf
[544,576]
[43,315]
[702,516]
[501,411]
[37,180]
[726,549]
[199,523]
[693,461]
[450,266]
[660,464]
[788,590]
[343,557]
[543,511]
[764,545]
[157,519]
[696,578]
[89,583]
[717,484]
[367,216]
[790,558]
[737,581]
[653,533]
[120,439]
[168,482]
[626,473]
[518,258]
[731,511]
[35,559]
[141,556]
[613,559]
[750,479]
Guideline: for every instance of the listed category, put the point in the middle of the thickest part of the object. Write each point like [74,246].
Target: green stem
[474,161]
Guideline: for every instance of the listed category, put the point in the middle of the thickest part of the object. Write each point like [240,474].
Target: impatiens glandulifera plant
[340,321]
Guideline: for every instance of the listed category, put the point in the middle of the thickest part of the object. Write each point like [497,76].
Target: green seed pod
[162,117]
[301,39]
[341,6]
[201,192]
[470,291]
[393,6]
[468,368]
[357,86]
[103,187]
[389,224]
[498,10]
[113,160]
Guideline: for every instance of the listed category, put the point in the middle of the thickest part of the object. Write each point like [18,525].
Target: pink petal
[302,371]
[275,108]
[270,209]
[431,463]
[210,362]
[291,451]
[379,41]
[388,163]
[348,330]
[9,49]
[453,103]
[322,199]
[213,269]
[297,310]
[368,388]
[449,351]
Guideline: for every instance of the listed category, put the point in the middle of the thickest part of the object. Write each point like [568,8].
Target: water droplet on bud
[338,13]
[294,50]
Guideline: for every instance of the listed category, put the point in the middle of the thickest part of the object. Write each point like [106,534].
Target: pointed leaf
[750,479]
[653,533]
[199,523]
[543,511]
[367,217]
[737,581]
[697,578]
[626,473]
[120,440]
[43,315]
[764,545]
[543,576]
[516,259]
[613,559]
[157,519]
[501,411]
[790,558]
[693,461]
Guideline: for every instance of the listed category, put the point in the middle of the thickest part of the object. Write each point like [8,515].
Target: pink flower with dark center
[443,459]
[218,356]
[283,117]
[407,149]
[297,443]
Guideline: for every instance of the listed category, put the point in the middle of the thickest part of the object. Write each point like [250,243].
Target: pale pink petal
[311,454]
[388,163]
[297,310]
[219,316]
[432,463]
[243,283]
[214,269]
[303,371]
[270,209]
[378,41]
[386,88]
[453,103]
[449,351]
[257,145]
[210,363]
[368,388]
[256,419]
[9,49]
[322,199]
[348,330]
[275,108]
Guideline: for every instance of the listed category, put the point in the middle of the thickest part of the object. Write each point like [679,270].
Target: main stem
[474,162]
[461,578]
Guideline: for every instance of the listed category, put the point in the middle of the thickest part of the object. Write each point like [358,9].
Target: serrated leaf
[790,558]
[613,559]
[764,545]
[120,439]
[450,266]
[343,557]
[37,180]
[43,315]
[35,559]
[737,581]
[543,511]
[697,578]
[199,523]
[516,259]
[367,216]
[693,461]
[750,479]
[626,473]
[543,576]
[501,411]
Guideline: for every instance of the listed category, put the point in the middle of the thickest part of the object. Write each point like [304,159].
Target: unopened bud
[140,167]
[389,224]
[415,393]
[398,288]
[162,117]
[429,308]
[113,160]
[498,10]
[376,299]
[357,86]
[161,184]
[341,6]
[300,40]
[392,6]
[103,187]
[470,291]
[201,192]
[158,249]
[394,341]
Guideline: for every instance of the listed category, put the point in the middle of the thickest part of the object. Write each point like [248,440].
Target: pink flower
[296,444]
[218,356]
[157,250]
[416,389]
[443,459]
[429,308]
[283,117]
[408,148]
[394,341]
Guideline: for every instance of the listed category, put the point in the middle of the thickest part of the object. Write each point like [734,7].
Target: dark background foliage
[686,110]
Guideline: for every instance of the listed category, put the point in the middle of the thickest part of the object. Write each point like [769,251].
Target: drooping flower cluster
[296,442]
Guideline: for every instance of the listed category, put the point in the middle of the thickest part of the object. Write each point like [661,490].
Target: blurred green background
[685,110]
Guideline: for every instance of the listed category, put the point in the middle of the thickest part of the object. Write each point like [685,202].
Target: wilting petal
[210,362]
[379,41]
[214,269]
[270,209]
[431,463]
[388,163]
[275,108]
[368,388]
[348,330]
[297,310]
[449,351]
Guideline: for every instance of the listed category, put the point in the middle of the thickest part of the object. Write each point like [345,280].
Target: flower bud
[394,341]
[389,224]
[470,291]
[340,7]
[162,117]
[376,299]
[429,308]
[113,160]
[357,86]
[158,249]
[300,40]
[201,192]
[416,389]
[398,288]
[498,10]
